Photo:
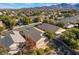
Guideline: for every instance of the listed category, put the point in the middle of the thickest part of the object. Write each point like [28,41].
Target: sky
[23,5]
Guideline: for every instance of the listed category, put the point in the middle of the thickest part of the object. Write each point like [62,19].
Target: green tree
[1,29]
[73,44]
[50,35]
[67,15]
[12,23]
[27,20]
[3,50]
[60,24]
[69,37]
[31,52]
[75,31]
[8,21]
[47,49]
[50,21]
[45,21]
[51,17]
[40,51]
[37,19]
[36,13]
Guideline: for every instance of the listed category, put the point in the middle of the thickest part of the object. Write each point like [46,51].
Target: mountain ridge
[62,6]
[56,6]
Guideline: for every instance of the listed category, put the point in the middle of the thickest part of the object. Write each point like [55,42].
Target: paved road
[26,26]
[63,49]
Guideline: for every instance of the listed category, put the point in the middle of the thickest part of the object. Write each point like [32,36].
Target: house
[11,14]
[36,35]
[12,41]
[61,17]
[1,13]
[69,25]
[51,28]
[45,16]
[1,24]
[73,19]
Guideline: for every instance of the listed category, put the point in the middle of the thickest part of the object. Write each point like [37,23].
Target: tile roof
[71,19]
[11,38]
[16,37]
[46,26]
[32,32]
[6,41]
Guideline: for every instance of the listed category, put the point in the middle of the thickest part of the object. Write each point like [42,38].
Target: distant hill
[76,5]
[57,6]
[62,6]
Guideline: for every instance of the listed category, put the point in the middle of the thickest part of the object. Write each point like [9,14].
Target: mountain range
[62,6]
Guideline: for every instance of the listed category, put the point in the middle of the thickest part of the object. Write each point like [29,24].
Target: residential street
[26,26]
[63,49]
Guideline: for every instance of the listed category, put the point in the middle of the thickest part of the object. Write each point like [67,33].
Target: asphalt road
[26,26]
[63,49]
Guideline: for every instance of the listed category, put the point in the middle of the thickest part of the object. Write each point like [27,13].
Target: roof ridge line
[39,30]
